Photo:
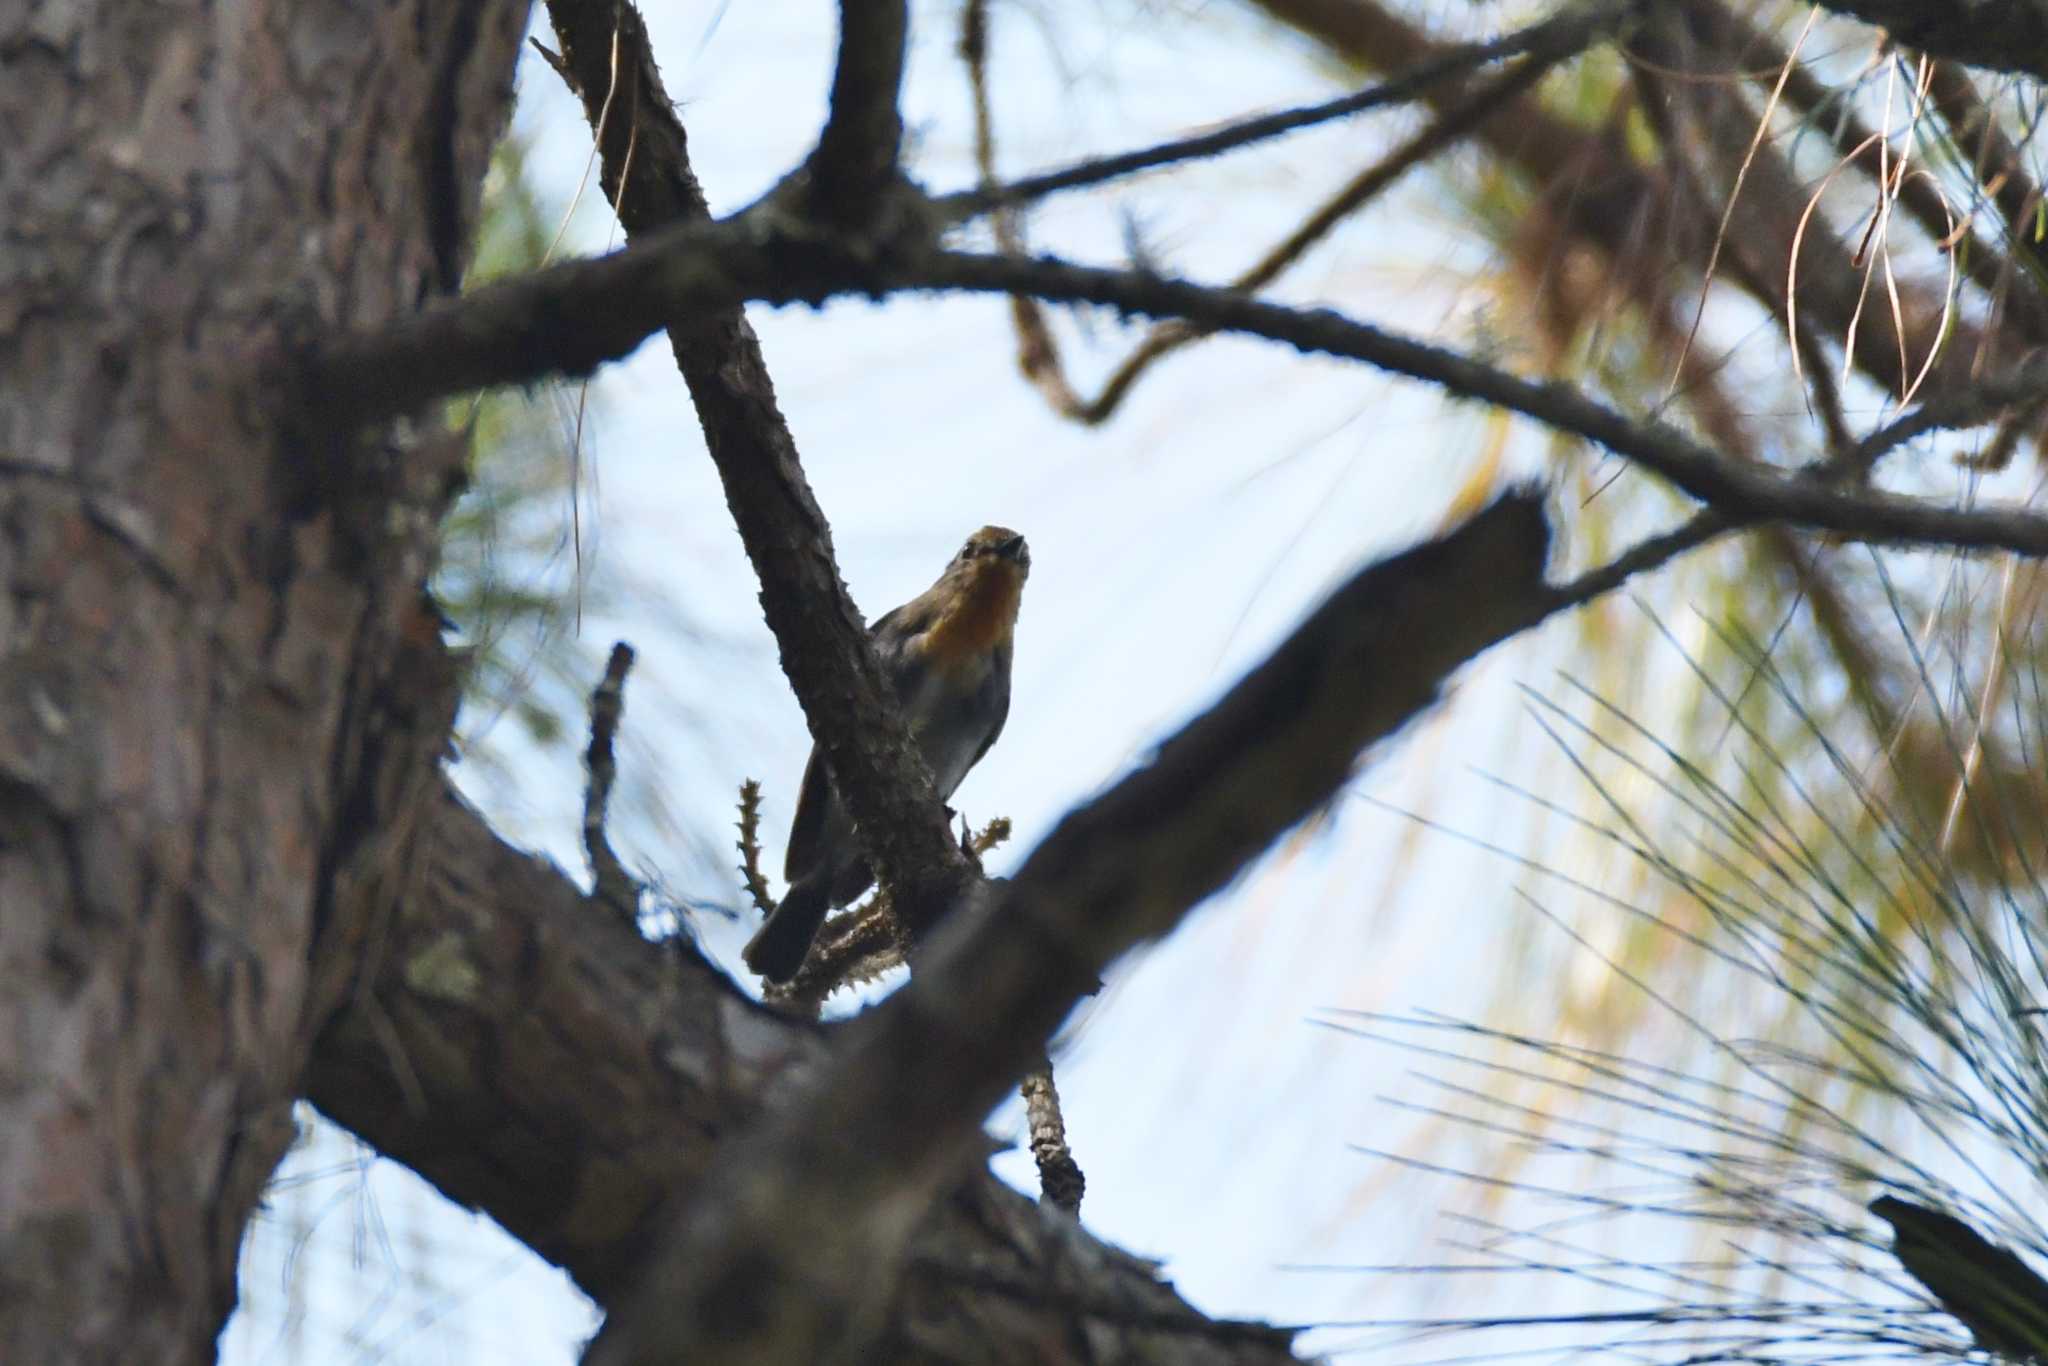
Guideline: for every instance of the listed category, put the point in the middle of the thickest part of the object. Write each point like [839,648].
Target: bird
[1998,1297]
[946,656]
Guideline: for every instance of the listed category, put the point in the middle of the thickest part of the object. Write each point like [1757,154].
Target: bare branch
[865,943]
[676,266]
[1972,407]
[1655,235]
[1652,553]
[1059,1177]
[1861,146]
[1998,1297]
[565,320]
[749,846]
[854,949]
[1549,41]
[1745,492]
[1997,167]
[613,885]
[1039,354]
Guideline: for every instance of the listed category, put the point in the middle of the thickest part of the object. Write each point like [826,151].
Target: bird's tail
[778,950]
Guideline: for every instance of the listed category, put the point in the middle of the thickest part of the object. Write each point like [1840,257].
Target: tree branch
[824,647]
[1548,41]
[1653,552]
[1998,169]
[1998,35]
[564,320]
[1060,1181]
[1647,223]
[855,161]
[611,299]
[1743,491]
[550,1067]
[1825,110]
[1972,407]
[1038,354]
[611,884]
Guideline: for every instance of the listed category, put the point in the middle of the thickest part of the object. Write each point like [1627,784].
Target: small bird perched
[946,653]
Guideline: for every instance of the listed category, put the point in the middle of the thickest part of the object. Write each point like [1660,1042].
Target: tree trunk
[219,704]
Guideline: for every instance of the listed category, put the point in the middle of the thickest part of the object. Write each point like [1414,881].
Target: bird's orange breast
[980,617]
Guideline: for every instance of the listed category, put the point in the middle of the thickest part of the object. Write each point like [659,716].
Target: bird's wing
[812,799]
[891,632]
[999,680]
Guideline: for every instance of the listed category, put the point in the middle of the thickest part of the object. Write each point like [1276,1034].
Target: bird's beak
[1012,549]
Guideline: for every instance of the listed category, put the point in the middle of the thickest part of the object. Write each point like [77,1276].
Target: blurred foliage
[518,561]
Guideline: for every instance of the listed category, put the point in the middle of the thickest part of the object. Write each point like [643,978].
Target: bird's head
[974,603]
[992,546]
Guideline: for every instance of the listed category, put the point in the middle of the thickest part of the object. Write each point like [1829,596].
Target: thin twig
[1972,407]
[1059,1176]
[750,848]
[615,887]
[1039,354]
[1553,39]
[1652,553]
[2022,421]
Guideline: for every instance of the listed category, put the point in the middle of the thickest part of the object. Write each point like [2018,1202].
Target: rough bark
[214,727]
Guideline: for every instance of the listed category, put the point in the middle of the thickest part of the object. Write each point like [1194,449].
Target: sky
[1220,1127]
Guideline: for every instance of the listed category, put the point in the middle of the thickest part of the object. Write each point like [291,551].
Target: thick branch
[547,1065]
[565,320]
[856,155]
[1999,35]
[790,1246]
